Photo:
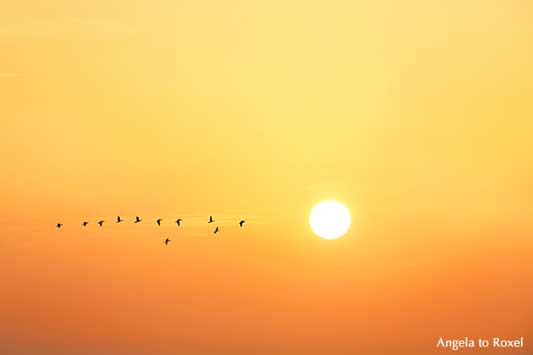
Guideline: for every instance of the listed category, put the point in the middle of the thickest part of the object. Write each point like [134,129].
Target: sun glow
[330,219]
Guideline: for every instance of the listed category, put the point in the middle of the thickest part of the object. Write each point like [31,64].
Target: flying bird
[166,241]
[85,223]
[100,223]
[159,221]
[216,230]
[242,222]
[137,219]
[59,225]
[211,220]
[178,221]
[119,219]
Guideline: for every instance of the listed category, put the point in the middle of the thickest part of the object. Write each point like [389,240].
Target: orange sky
[416,114]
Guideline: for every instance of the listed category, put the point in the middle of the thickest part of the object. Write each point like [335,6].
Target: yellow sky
[416,114]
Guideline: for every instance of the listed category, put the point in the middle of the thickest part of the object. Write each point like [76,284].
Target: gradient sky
[418,115]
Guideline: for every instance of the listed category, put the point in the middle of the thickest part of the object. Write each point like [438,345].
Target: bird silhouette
[85,223]
[59,225]
[211,220]
[178,221]
[216,230]
[242,222]
[119,219]
[158,221]
[100,223]
[166,241]
[137,219]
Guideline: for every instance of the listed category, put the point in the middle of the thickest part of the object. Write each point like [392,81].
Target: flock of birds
[158,221]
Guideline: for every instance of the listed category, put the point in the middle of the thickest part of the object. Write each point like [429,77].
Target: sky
[416,114]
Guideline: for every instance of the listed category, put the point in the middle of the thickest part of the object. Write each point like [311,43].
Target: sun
[330,219]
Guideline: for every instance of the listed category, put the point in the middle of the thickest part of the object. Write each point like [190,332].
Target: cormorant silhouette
[211,220]
[178,221]
[100,223]
[242,222]
[119,219]
[85,223]
[216,230]
[158,221]
[137,219]
[59,225]
[166,241]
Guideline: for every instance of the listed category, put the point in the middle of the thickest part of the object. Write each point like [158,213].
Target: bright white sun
[330,219]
